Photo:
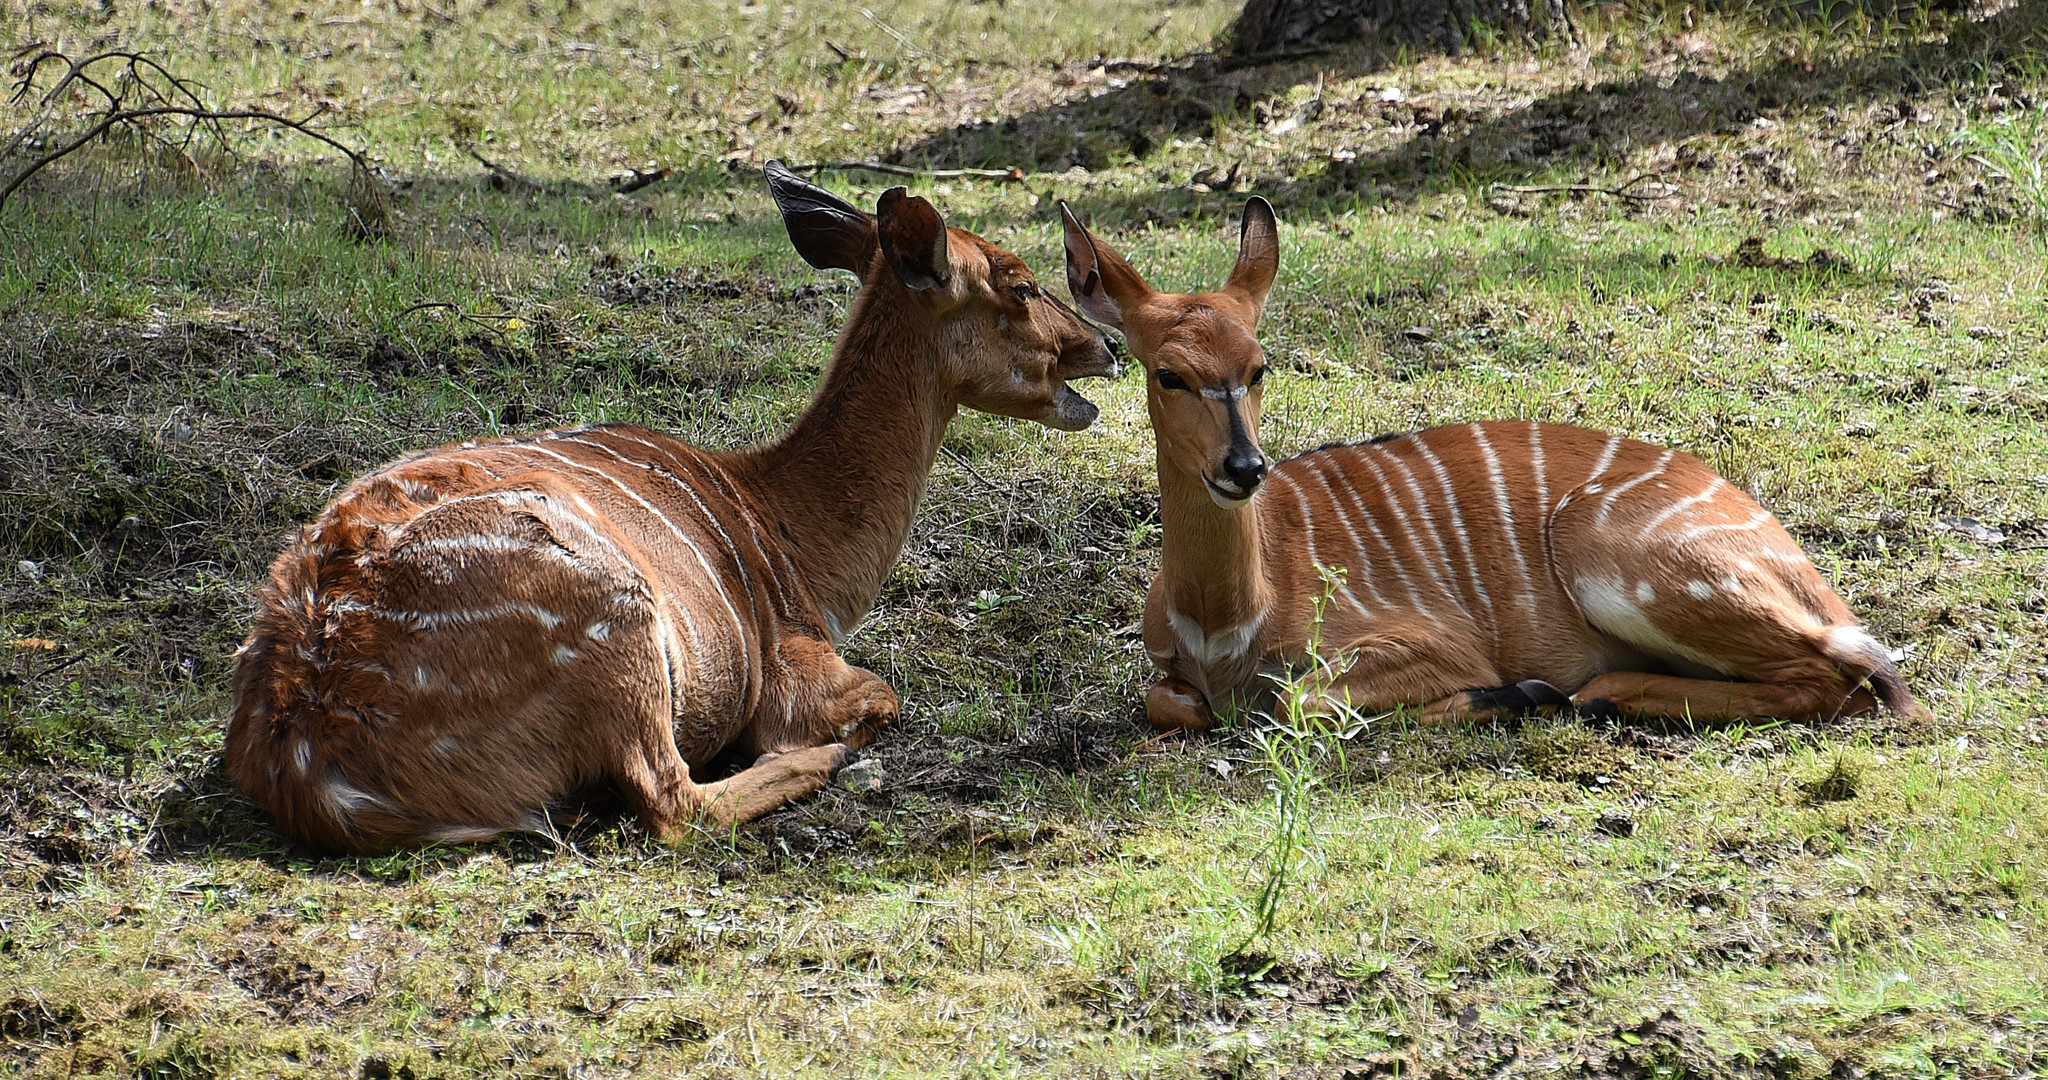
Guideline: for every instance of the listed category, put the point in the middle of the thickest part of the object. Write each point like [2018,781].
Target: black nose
[1245,467]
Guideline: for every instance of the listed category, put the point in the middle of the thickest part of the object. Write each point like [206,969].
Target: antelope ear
[829,232]
[913,239]
[1103,285]
[1258,257]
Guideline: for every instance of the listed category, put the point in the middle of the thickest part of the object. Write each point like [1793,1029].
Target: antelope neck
[1210,565]
[844,485]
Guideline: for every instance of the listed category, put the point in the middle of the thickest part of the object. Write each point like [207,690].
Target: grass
[194,354]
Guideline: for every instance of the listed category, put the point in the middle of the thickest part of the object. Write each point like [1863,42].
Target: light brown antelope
[1484,565]
[470,633]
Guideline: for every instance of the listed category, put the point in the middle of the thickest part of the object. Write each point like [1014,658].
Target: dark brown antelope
[1482,565]
[472,632]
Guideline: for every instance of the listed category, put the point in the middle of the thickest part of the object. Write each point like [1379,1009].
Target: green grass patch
[1835,296]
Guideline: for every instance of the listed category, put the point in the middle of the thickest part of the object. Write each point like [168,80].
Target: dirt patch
[289,984]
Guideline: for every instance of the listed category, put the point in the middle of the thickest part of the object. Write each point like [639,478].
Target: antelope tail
[1865,659]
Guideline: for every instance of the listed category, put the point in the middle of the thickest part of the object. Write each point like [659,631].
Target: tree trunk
[1271,26]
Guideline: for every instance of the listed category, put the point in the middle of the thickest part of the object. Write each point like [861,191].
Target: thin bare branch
[128,116]
[1011,175]
[1622,192]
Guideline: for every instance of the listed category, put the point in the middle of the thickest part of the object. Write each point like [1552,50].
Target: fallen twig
[1621,192]
[623,999]
[1236,63]
[641,179]
[505,175]
[478,318]
[1011,175]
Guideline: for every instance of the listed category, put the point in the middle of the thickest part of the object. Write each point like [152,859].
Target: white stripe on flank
[1505,506]
[1607,500]
[1755,521]
[688,623]
[1308,532]
[716,474]
[554,514]
[493,542]
[1366,574]
[1606,459]
[435,620]
[1372,524]
[1421,554]
[1681,506]
[740,564]
[1443,479]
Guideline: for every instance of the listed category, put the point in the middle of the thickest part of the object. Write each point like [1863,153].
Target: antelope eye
[1025,291]
[1171,381]
[1258,377]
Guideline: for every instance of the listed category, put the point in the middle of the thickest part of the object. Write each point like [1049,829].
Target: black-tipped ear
[1258,255]
[829,232]
[913,239]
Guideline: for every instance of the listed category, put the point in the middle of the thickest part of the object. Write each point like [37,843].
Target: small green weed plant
[2013,148]
[1299,744]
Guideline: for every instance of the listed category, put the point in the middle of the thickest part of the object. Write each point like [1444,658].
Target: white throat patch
[1228,643]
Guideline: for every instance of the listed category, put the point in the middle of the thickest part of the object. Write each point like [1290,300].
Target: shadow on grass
[1579,125]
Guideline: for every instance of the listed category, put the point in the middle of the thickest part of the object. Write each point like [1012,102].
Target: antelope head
[1203,365]
[1011,346]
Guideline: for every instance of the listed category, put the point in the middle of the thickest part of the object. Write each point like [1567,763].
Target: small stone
[1418,334]
[30,569]
[863,776]
[1615,822]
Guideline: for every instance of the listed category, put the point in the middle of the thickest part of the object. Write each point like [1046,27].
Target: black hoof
[1541,693]
[1520,698]
[1597,710]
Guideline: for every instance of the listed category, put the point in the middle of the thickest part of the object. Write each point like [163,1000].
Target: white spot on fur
[1645,594]
[444,746]
[343,798]
[1731,584]
[564,655]
[598,631]
[302,755]
[421,679]
[1227,643]
[1700,590]
[1747,566]
[1606,604]
[462,834]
